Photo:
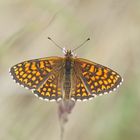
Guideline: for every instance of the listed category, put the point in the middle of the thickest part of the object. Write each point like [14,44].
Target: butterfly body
[65,78]
[68,73]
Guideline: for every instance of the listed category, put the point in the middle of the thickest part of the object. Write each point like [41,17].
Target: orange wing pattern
[33,73]
[79,91]
[51,89]
[97,79]
[44,77]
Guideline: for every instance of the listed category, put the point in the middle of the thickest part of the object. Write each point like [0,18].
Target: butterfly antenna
[55,43]
[81,45]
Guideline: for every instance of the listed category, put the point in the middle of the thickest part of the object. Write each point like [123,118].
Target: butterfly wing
[51,89]
[79,91]
[97,79]
[34,74]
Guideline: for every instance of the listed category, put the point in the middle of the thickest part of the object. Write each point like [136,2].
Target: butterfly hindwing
[79,92]
[51,89]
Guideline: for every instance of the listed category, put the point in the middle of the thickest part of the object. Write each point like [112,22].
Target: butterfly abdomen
[67,78]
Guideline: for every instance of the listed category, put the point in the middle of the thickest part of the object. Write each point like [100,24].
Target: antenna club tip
[49,38]
[88,38]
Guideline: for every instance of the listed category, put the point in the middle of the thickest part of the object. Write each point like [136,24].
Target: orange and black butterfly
[65,78]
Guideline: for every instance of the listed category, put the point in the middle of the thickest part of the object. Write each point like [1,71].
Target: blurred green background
[114,29]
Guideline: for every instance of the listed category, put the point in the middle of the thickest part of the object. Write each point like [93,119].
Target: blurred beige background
[114,29]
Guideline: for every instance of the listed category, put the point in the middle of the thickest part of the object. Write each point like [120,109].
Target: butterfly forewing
[33,73]
[96,78]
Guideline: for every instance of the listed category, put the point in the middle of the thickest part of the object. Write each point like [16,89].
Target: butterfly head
[68,53]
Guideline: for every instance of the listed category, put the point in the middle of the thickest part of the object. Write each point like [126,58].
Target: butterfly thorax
[68,70]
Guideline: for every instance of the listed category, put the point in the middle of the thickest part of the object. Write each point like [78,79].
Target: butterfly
[65,78]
